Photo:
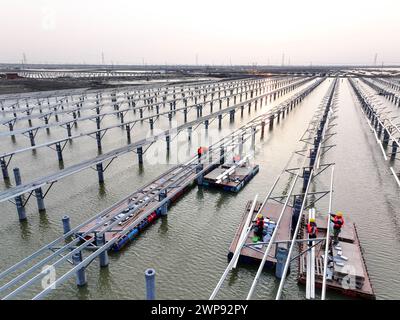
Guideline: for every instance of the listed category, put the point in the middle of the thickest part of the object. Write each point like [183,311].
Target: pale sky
[217,31]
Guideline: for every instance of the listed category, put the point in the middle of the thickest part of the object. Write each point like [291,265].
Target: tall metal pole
[246,225]
[327,238]
[285,270]
[282,282]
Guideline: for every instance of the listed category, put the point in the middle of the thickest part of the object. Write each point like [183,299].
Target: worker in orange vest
[199,152]
[259,226]
[312,230]
[338,223]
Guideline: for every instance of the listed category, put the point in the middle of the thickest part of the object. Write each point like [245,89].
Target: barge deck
[253,253]
[128,207]
[230,176]
[347,272]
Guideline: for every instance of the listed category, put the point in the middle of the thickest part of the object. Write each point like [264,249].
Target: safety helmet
[312,219]
[259,216]
[339,214]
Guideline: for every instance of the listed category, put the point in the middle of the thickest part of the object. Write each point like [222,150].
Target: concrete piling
[140,155]
[150,284]
[4,169]
[18,200]
[385,138]
[240,141]
[103,257]
[17,176]
[199,168]
[253,137]
[379,130]
[74,116]
[168,140]
[69,129]
[100,172]
[232,115]
[59,152]
[20,208]
[66,224]
[190,133]
[219,121]
[271,122]
[40,199]
[262,128]
[32,138]
[80,273]
[98,139]
[296,211]
[128,133]
[394,151]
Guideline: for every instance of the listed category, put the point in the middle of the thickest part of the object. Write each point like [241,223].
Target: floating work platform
[135,222]
[345,262]
[231,176]
[253,253]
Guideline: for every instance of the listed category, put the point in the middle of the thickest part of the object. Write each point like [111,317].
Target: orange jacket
[260,223]
[312,228]
[338,222]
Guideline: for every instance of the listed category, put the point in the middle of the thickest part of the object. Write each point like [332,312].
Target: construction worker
[338,223]
[236,158]
[312,230]
[259,227]
[199,152]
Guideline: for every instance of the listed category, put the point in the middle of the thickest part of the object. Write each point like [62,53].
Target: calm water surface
[188,248]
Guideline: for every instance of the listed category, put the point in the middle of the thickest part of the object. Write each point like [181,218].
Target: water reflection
[163,229]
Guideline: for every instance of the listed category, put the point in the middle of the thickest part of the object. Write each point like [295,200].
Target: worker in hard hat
[312,230]
[338,223]
[259,226]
